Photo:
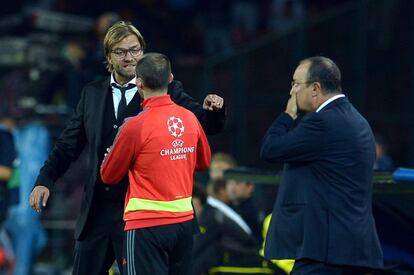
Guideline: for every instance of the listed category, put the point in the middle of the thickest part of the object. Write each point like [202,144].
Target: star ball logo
[175,126]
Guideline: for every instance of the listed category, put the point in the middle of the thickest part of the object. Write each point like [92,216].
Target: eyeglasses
[121,53]
[293,83]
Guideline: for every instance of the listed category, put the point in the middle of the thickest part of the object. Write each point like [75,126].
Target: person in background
[101,110]
[8,178]
[241,200]
[23,226]
[383,162]
[8,159]
[219,162]
[84,59]
[224,235]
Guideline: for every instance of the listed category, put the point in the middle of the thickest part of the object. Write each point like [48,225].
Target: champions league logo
[179,152]
[177,142]
[175,126]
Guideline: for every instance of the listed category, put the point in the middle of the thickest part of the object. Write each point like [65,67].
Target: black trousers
[311,267]
[102,241]
[159,250]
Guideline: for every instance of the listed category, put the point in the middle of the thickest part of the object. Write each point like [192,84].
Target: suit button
[115,126]
[106,188]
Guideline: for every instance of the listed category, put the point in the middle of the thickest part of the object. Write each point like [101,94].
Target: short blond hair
[224,157]
[115,34]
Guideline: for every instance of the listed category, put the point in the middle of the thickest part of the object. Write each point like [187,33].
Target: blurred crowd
[50,49]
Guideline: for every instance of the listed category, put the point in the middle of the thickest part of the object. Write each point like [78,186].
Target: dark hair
[218,185]
[326,72]
[154,69]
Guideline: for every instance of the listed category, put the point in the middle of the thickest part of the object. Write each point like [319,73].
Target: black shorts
[159,250]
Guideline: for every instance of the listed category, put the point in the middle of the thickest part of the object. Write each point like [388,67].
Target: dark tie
[122,103]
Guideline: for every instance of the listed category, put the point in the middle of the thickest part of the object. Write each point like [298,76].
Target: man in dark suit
[322,217]
[102,108]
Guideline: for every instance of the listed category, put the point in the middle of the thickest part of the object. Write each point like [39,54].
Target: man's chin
[127,75]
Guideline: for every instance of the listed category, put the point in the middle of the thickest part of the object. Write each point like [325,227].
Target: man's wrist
[292,115]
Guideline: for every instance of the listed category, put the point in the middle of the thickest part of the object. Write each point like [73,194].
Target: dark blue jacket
[324,206]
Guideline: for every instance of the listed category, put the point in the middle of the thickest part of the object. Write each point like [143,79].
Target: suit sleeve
[212,121]
[67,148]
[116,164]
[203,152]
[303,143]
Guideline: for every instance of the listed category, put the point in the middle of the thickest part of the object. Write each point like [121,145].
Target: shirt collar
[132,81]
[229,212]
[156,101]
[329,101]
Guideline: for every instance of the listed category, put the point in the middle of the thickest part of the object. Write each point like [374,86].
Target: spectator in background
[285,14]
[241,200]
[22,224]
[244,20]
[216,15]
[9,186]
[383,161]
[223,231]
[219,162]
[103,106]
[8,158]
[85,58]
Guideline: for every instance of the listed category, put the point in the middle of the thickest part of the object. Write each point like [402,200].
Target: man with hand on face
[322,217]
[102,108]
[159,149]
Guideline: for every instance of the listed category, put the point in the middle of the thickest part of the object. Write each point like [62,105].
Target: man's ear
[140,83]
[171,78]
[316,89]
[108,59]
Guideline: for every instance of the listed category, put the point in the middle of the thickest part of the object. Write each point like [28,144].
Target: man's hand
[39,195]
[292,107]
[213,102]
[108,150]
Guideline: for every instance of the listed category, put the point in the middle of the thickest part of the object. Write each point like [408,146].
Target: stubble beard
[125,73]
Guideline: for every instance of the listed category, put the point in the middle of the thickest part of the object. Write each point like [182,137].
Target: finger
[209,100]
[31,201]
[34,201]
[45,198]
[38,201]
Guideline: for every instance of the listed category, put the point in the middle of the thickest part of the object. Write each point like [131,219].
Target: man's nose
[128,55]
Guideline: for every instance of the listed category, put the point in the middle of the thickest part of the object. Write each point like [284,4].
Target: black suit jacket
[324,206]
[84,129]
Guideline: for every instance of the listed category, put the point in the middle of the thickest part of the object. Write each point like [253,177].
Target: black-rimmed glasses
[121,53]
